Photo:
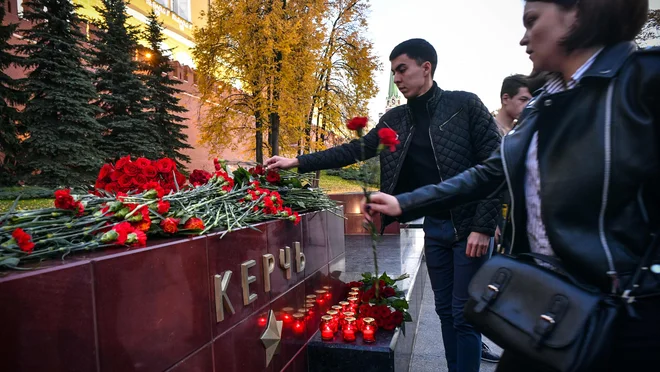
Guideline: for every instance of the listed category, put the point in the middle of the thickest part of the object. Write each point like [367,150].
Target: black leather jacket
[599,161]
[463,134]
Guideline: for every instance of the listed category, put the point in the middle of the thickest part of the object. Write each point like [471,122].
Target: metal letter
[221,298]
[300,257]
[268,267]
[246,279]
[285,261]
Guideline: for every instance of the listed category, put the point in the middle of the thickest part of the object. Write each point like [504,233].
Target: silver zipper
[606,186]
[509,185]
[451,215]
[403,158]
[448,120]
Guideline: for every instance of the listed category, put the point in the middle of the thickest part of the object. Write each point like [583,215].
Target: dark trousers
[635,349]
[450,271]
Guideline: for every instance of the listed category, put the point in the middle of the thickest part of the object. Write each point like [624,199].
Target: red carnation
[259,170]
[23,240]
[142,163]
[122,162]
[140,180]
[199,177]
[357,123]
[141,238]
[165,165]
[125,181]
[388,292]
[389,138]
[131,169]
[153,185]
[150,171]
[123,229]
[273,177]
[194,223]
[64,200]
[163,207]
[170,225]
[105,171]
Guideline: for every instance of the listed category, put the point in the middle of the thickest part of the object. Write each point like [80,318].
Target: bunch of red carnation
[23,240]
[270,202]
[128,175]
[124,233]
[64,200]
[384,316]
[260,173]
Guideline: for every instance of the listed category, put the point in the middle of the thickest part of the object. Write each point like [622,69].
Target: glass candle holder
[345,306]
[369,329]
[346,314]
[298,323]
[353,294]
[309,310]
[287,314]
[327,334]
[335,318]
[349,329]
[355,289]
[328,290]
[310,297]
[353,304]
[320,296]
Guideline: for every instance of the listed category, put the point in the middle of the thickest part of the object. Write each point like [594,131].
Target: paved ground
[429,352]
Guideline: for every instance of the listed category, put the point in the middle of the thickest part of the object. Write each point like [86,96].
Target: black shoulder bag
[547,316]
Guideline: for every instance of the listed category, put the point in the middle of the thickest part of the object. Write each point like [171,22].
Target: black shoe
[487,355]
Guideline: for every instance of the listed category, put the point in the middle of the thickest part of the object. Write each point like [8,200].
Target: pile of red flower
[139,175]
[387,306]
[271,202]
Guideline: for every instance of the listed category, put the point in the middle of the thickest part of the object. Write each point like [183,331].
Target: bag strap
[557,264]
[643,268]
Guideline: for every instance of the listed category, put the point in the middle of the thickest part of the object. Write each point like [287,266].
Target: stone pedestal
[393,349]
[154,308]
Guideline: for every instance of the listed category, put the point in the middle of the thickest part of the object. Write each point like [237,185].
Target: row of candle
[343,316]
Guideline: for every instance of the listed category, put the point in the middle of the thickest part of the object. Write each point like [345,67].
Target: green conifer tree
[61,148]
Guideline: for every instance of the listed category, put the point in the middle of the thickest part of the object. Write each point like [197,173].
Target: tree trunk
[259,138]
[274,133]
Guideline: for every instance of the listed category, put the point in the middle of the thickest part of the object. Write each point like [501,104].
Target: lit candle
[348,331]
[298,323]
[262,321]
[327,334]
[335,318]
[345,305]
[309,310]
[355,289]
[320,296]
[369,330]
[347,314]
[353,294]
[353,303]
[286,314]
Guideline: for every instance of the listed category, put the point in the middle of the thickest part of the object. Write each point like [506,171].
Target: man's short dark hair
[418,49]
[603,22]
[537,80]
[512,84]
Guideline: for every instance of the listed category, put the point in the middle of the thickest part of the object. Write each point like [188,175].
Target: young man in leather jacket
[441,133]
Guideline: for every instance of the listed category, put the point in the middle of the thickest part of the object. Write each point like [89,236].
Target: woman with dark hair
[582,165]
